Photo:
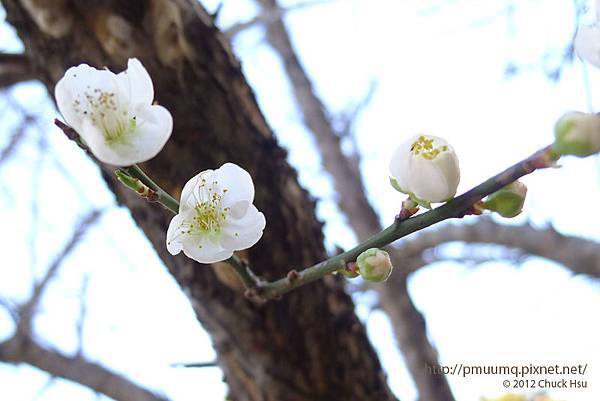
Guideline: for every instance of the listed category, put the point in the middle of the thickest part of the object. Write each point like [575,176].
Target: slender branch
[15,68]
[15,139]
[456,208]
[347,181]
[211,364]
[80,324]
[22,349]
[161,196]
[49,383]
[272,15]
[249,279]
[581,256]
[27,310]
[10,307]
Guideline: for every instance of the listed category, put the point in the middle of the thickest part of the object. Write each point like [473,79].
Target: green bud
[508,201]
[136,185]
[130,182]
[577,134]
[374,265]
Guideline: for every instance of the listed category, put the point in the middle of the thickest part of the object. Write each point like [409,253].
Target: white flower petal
[114,113]
[399,165]
[70,92]
[116,155]
[190,194]
[218,215]
[205,250]
[237,184]
[175,235]
[154,125]
[427,167]
[238,209]
[136,84]
[428,182]
[245,232]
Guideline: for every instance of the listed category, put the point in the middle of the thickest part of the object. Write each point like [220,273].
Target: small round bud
[577,134]
[508,201]
[374,265]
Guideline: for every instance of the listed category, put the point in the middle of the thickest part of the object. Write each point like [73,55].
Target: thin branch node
[293,275]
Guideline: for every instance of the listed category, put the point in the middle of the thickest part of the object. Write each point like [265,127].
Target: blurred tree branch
[23,348]
[579,255]
[217,119]
[15,68]
[408,323]
[15,139]
[411,332]
[28,309]
[272,15]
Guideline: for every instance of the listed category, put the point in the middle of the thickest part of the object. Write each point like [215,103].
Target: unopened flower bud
[577,134]
[374,265]
[508,201]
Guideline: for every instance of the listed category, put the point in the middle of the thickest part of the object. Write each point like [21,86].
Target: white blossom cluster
[116,118]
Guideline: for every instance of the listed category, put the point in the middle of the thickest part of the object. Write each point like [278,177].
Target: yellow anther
[424,146]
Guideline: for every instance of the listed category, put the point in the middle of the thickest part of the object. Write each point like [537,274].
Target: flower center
[210,216]
[105,112]
[425,147]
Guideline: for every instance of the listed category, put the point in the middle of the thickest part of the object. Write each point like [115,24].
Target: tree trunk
[308,345]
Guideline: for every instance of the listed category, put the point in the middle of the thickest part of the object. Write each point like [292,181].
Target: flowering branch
[260,290]
[456,208]
[216,217]
[134,177]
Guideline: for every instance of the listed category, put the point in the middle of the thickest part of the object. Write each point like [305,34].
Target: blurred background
[491,77]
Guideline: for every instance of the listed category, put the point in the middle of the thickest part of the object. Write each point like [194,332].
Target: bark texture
[409,325]
[308,345]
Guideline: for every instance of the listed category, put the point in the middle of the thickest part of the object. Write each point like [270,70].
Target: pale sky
[440,70]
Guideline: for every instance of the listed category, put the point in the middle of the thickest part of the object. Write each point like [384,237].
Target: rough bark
[308,345]
[408,322]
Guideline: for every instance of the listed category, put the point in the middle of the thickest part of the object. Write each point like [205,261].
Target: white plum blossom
[216,216]
[113,113]
[426,168]
[587,39]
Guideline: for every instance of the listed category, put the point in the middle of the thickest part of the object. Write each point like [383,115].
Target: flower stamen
[425,147]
